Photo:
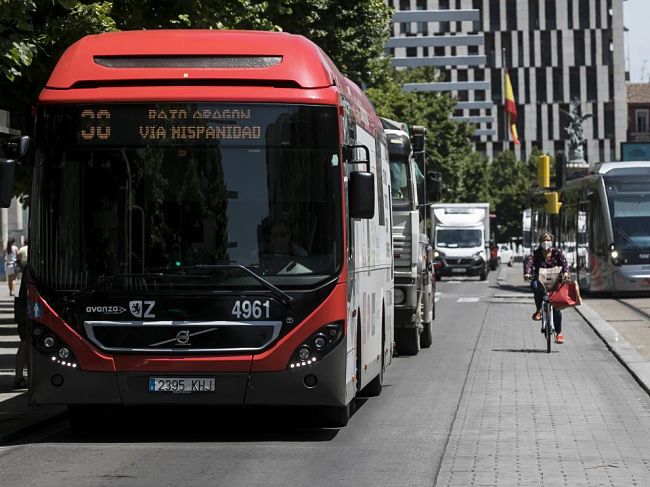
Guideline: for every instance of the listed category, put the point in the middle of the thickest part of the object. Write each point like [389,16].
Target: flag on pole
[511,109]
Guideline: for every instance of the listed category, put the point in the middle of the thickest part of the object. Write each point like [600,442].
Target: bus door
[582,244]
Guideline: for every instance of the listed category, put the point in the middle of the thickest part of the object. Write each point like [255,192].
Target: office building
[555,51]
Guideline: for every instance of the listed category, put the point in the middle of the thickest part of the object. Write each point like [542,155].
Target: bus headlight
[316,346]
[50,345]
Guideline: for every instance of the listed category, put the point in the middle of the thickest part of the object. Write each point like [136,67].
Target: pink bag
[565,295]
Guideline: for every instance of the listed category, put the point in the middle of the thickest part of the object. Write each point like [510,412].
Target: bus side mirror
[361,192]
[7,179]
[18,147]
[434,186]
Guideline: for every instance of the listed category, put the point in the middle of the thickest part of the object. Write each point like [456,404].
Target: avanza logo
[106,310]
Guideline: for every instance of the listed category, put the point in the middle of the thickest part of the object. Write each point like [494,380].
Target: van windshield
[459,237]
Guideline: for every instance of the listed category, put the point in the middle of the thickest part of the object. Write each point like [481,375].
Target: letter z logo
[142,309]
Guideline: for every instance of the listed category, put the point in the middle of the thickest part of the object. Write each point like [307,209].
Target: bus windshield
[136,189]
[629,205]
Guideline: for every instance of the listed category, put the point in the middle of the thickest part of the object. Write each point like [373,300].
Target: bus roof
[607,167]
[117,58]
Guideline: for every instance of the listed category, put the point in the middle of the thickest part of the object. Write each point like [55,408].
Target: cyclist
[544,257]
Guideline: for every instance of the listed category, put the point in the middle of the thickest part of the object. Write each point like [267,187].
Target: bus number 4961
[251,309]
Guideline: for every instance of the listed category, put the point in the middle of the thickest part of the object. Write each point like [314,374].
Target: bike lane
[573,417]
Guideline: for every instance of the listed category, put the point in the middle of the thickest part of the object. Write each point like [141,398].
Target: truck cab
[414,276]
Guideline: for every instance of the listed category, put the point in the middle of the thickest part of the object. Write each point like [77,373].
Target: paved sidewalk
[15,414]
[633,354]
[574,417]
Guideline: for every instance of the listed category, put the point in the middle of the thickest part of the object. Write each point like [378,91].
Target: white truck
[460,233]
[414,307]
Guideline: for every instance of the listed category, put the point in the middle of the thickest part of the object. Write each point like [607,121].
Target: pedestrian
[11,258]
[23,253]
[20,315]
[545,257]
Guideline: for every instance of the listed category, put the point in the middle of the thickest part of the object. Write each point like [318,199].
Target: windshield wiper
[629,239]
[102,282]
[278,293]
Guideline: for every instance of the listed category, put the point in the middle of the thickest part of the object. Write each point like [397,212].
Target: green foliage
[192,14]
[509,186]
[448,142]
[352,33]
[475,179]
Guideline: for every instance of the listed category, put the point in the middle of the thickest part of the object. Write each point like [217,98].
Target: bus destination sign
[196,124]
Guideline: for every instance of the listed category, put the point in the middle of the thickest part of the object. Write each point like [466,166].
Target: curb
[625,353]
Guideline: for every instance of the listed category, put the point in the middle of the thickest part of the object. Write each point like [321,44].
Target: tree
[475,179]
[448,142]
[35,34]
[509,185]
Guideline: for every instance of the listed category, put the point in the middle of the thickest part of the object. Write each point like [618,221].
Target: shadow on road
[156,424]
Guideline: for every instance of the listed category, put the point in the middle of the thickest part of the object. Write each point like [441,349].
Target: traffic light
[544,171]
[553,203]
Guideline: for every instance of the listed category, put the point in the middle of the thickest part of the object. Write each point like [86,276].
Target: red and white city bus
[210,224]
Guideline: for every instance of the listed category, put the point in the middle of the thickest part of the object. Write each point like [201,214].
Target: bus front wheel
[337,416]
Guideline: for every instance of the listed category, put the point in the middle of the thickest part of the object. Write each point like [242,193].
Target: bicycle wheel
[548,327]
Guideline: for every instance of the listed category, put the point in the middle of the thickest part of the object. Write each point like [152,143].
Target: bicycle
[548,327]
[547,321]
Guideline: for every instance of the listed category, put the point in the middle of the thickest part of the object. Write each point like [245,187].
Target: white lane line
[468,300]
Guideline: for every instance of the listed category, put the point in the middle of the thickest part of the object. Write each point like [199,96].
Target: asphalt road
[483,406]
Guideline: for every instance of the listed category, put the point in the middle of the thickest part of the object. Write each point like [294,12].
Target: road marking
[468,300]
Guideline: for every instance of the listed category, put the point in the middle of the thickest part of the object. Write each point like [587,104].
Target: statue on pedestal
[575,132]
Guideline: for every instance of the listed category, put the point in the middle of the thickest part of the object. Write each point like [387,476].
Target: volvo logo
[183,337]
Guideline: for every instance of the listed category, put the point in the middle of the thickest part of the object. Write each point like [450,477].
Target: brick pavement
[573,417]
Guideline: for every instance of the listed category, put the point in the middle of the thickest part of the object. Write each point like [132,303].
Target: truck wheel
[426,338]
[408,341]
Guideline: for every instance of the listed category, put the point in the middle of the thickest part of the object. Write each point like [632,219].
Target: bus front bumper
[51,383]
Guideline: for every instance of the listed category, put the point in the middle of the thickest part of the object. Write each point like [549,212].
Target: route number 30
[251,309]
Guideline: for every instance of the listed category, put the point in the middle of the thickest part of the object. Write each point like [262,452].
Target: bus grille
[182,336]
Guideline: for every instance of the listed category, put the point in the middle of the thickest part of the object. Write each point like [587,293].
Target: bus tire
[337,416]
[426,337]
[408,341]
[375,386]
